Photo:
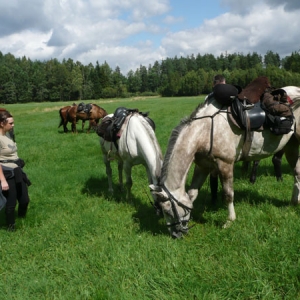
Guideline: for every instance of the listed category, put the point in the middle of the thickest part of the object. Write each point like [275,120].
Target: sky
[130,33]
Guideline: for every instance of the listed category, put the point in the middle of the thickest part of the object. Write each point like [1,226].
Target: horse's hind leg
[213,183]
[276,160]
[65,126]
[108,173]
[74,130]
[120,174]
[254,171]
[127,170]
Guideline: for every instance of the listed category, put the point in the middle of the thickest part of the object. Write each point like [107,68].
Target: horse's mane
[173,138]
[155,143]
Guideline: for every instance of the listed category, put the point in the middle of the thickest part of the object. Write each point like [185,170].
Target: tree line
[24,80]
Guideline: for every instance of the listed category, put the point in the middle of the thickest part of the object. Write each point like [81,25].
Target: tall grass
[79,242]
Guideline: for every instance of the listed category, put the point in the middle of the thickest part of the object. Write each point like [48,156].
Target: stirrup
[247,106]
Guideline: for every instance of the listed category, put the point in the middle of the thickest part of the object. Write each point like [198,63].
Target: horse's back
[293,92]
[138,141]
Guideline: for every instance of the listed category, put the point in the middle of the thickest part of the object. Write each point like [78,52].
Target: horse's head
[177,213]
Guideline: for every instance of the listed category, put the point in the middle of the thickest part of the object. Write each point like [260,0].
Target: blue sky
[130,33]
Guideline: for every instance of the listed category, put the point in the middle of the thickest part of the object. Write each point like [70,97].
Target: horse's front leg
[226,176]
[82,125]
[92,124]
[198,179]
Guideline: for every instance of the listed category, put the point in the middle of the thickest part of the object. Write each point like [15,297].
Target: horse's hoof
[176,235]
[227,224]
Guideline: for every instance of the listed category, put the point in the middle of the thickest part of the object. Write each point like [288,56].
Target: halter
[179,226]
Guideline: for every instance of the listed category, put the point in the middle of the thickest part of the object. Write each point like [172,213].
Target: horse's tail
[61,119]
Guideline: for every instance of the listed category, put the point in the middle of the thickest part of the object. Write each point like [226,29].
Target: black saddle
[248,115]
[82,107]
[109,127]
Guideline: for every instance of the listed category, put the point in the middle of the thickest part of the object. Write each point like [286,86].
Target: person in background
[218,79]
[15,184]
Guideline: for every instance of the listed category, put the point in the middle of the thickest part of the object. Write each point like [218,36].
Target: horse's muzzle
[178,230]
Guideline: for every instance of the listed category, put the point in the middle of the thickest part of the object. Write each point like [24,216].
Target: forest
[23,80]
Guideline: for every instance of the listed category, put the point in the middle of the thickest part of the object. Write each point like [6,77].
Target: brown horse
[70,114]
[63,113]
[94,115]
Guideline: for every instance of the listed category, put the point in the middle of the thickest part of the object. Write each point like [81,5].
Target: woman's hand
[4,185]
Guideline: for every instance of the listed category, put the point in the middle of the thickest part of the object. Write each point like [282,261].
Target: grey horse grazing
[220,146]
[137,145]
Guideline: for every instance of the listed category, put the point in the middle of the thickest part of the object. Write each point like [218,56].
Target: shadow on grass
[98,187]
[145,214]
[78,132]
[148,221]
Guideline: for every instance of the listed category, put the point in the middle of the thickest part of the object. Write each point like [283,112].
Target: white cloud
[262,29]
[130,33]
[171,19]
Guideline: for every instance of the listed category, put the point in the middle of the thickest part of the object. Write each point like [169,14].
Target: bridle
[179,224]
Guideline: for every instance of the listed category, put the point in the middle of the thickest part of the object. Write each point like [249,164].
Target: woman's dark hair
[4,115]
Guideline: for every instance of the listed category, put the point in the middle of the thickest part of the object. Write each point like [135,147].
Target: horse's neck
[181,153]
[142,142]
[178,161]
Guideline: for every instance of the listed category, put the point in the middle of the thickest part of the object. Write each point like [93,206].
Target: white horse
[136,145]
[214,143]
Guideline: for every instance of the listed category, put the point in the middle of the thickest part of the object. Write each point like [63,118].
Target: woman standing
[15,188]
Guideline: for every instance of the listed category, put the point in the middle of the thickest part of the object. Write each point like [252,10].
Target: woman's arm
[4,184]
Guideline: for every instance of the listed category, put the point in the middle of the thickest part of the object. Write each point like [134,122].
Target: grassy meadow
[79,242]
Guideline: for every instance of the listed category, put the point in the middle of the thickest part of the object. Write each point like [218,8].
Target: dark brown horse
[70,114]
[94,115]
[63,113]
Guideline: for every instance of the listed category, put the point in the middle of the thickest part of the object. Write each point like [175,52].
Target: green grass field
[79,242]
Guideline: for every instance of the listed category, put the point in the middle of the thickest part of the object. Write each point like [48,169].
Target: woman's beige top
[8,151]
